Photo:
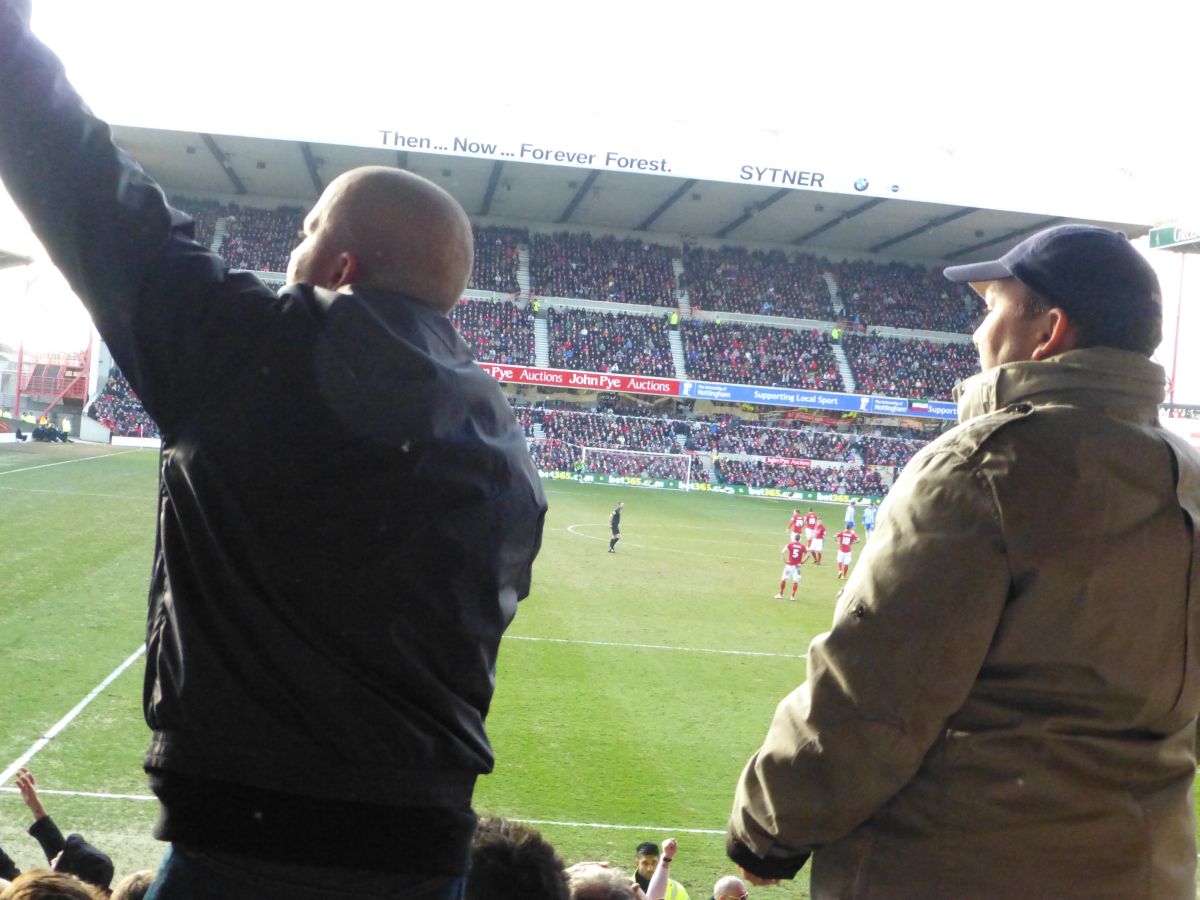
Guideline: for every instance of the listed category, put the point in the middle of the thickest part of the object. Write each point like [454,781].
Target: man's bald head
[388,229]
[729,888]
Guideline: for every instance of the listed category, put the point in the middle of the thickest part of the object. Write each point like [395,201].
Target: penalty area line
[64,462]
[54,730]
[548,640]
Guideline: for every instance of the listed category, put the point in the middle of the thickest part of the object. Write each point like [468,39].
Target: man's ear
[1059,335]
[345,271]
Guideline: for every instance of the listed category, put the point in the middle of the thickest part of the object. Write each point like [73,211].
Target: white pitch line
[66,720]
[547,640]
[150,798]
[67,461]
[93,795]
[647,828]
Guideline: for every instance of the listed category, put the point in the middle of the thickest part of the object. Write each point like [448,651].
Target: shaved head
[376,227]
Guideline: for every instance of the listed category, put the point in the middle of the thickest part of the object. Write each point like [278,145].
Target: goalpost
[638,464]
[553,455]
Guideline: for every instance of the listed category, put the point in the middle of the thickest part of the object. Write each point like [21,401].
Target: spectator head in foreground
[134,885]
[388,229]
[1065,288]
[85,862]
[596,882]
[512,862]
[730,888]
[42,884]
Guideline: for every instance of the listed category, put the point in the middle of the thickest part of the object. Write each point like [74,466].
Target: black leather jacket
[347,512]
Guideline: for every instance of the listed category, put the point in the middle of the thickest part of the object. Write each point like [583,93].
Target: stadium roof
[822,222]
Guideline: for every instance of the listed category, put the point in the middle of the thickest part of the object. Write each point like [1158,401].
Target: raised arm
[161,301]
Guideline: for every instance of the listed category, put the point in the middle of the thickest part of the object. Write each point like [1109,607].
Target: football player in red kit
[796,525]
[794,554]
[845,539]
[817,545]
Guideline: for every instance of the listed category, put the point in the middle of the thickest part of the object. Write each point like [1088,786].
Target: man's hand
[27,785]
[670,845]
[754,879]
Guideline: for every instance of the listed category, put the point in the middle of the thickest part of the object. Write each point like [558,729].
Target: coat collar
[1096,376]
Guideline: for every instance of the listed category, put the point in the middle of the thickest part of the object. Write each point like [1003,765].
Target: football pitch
[631,688]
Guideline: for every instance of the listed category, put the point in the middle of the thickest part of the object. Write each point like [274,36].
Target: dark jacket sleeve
[166,306]
[8,868]
[46,833]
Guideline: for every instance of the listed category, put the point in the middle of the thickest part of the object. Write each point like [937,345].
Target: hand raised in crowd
[27,785]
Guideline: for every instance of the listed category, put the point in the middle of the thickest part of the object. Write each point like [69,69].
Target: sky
[1067,88]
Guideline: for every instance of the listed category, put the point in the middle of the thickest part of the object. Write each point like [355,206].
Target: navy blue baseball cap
[1106,287]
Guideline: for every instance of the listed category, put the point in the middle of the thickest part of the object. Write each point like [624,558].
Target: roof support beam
[752,211]
[833,223]
[922,229]
[311,162]
[578,198]
[1015,233]
[667,204]
[493,183]
[224,163]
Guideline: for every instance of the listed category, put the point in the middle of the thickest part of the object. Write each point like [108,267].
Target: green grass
[631,689]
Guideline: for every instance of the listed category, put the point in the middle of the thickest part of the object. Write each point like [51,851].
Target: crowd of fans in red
[601,268]
[625,270]
[609,342]
[565,432]
[119,409]
[735,353]
[767,283]
[896,367]
[904,296]
[497,259]
[496,332]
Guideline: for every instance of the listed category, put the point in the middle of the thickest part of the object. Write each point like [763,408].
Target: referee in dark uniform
[615,522]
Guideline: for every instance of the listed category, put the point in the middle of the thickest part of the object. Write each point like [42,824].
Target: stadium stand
[769,283]
[902,296]
[119,409]
[497,258]
[609,342]
[496,331]
[261,239]
[205,214]
[896,367]
[737,353]
[759,473]
[611,431]
[601,268]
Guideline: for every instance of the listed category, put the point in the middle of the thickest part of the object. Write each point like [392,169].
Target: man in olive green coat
[1005,705]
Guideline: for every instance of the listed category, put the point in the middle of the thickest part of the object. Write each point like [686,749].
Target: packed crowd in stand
[261,239]
[628,270]
[205,214]
[767,283]
[567,431]
[896,367]
[615,432]
[759,354]
[119,409]
[758,473]
[496,332]
[903,296]
[601,268]
[497,258]
[609,342]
